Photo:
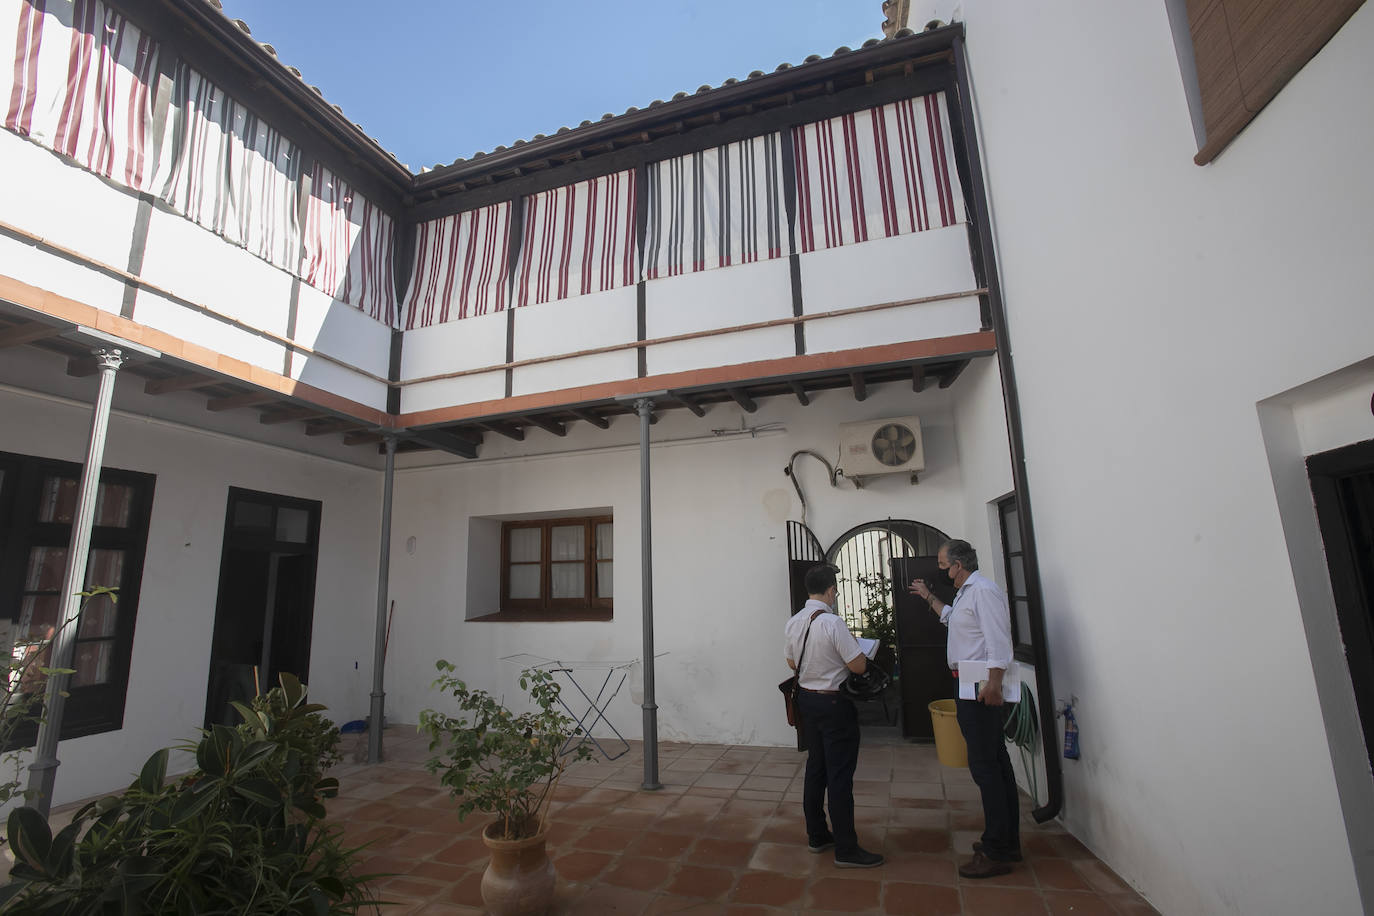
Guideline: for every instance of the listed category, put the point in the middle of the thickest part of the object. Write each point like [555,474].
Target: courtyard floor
[724,836]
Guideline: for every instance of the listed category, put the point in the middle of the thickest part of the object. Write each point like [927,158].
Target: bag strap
[805,639]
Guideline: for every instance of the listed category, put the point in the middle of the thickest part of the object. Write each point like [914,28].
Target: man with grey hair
[980,630]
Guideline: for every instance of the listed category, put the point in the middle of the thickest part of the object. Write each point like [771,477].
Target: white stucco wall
[170,664]
[1152,304]
[720,555]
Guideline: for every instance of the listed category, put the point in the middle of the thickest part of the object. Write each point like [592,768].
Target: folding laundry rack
[596,706]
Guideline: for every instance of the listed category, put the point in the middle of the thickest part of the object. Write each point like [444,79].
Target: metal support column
[645,406]
[43,770]
[374,724]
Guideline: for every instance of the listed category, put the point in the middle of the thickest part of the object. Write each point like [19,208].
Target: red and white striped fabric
[81,84]
[876,173]
[578,239]
[460,266]
[715,208]
[350,247]
[230,172]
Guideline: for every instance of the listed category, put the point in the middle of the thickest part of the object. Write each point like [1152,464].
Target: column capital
[108,358]
[389,443]
[643,406]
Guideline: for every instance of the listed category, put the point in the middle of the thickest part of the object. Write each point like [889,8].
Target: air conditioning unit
[875,447]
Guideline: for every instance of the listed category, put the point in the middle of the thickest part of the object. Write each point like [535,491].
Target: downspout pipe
[1054,778]
[43,770]
[378,710]
[645,408]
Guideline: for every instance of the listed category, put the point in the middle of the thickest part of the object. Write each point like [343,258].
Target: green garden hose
[1022,729]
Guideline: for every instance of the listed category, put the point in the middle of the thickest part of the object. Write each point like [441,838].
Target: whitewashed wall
[1152,305]
[170,666]
[720,573]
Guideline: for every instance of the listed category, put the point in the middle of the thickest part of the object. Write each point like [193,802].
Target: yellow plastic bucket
[949,741]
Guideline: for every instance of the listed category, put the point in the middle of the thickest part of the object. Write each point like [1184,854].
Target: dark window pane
[92,663]
[525,545]
[113,503]
[38,615]
[252,515]
[524,581]
[1023,630]
[98,617]
[57,502]
[569,580]
[1011,523]
[46,567]
[568,542]
[293,525]
[1016,566]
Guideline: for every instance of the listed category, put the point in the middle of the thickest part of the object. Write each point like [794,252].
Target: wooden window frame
[93,708]
[1022,647]
[546,607]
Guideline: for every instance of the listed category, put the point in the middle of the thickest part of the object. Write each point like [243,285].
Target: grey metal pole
[646,558]
[374,725]
[43,770]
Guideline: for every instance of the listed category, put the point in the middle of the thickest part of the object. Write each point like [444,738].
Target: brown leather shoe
[980,866]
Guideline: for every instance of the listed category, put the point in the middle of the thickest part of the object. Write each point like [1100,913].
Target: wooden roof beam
[953,372]
[690,404]
[918,377]
[856,381]
[741,397]
[273,418]
[28,332]
[330,425]
[549,426]
[505,429]
[800,391]
[235,401]
[180,383]
[361,437]
[595,419]
[445,441]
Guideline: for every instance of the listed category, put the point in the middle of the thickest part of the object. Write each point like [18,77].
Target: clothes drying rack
[596,706]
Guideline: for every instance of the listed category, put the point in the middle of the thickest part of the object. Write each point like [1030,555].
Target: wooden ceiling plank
[235,401]
[595,419]
[286,416]
[505,429]
[180,383]
[28,332]
[360,437]
[549,426]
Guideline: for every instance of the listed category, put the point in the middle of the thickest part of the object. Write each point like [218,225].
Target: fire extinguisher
[1070,733]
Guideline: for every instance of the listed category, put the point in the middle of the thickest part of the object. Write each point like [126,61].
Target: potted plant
[500,763]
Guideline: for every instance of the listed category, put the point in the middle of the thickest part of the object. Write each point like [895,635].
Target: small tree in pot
[508,765]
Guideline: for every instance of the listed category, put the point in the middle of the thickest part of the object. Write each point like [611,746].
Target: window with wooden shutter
[1247,50]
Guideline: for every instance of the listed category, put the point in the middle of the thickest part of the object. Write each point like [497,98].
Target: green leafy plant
[495,761]
[243,833]
[879,620]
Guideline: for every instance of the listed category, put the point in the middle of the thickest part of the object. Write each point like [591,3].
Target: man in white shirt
[980,630]
[818,638]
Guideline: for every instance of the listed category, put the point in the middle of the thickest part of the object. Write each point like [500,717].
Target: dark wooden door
[925,674]
[803,552]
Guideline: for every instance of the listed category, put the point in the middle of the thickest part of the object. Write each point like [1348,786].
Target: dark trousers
[832,736]
[990,766]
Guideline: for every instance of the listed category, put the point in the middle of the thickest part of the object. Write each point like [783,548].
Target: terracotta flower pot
[520,880]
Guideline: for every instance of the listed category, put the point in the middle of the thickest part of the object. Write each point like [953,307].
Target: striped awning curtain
[715,208]
[577,239]
[80,85]
[350,247]
[460,266]
[230,172]
[876,173]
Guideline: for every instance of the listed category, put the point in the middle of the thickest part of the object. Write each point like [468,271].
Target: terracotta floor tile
[411,889]
[697,804]
[604,797]
[766,783]
[1039,847]
[1002,901]
[606,839]
[443,909]
[726,853]
[760,795]
[768,889]
[581,866]
[1131,905]
[1058,874]
[638,873]
[467,851]
[700,881]
[900,897]
[786,858]
[921,869]
[738,827]
[784,829]
[1069,847]
[720,780]
[436,871]
[1101,878]
[467,892]
[628,819]
[660,845]
[1073,904]
[740,807]
[604,899]
[578,814]
[911,839]
[694,824]
[846,894]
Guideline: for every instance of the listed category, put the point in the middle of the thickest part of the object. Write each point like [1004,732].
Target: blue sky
[435,80]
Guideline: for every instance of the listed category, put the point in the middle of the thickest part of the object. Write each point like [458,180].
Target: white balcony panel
[576,372]
[466,389]
[908,266]
[203,330]
[331,377]
[44,195]
[337,328]
[579,323]
[58,275]
[722,350]
[907,322]
[199,266]
[470,343]
[729,296]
